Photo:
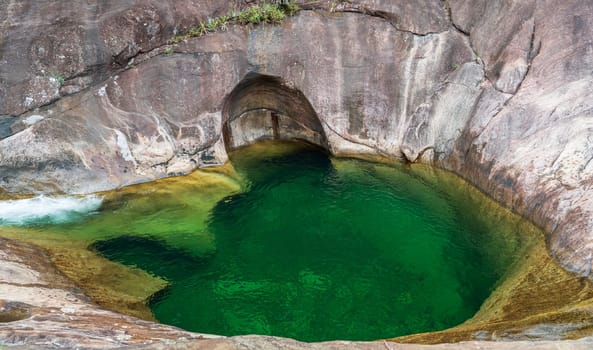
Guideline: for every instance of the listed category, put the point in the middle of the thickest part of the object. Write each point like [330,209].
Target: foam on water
[43,210]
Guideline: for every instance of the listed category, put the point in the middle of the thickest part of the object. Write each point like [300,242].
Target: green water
[317,250]
[303,246]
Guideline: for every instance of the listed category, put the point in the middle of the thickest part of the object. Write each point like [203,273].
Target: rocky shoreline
[43,309]
[92,97]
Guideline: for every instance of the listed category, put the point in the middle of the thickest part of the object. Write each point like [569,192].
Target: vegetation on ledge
[273,13]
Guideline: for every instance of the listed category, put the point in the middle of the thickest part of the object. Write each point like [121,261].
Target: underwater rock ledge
[42,309]
[497,92]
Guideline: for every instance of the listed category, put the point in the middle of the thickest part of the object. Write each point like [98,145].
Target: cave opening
[263,107]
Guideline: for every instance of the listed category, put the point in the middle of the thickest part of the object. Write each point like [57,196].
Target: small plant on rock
[194,31]
[177,39]
[57,77]
[289,8]
[253,15]
[212,24]
[199,30]
[273,13]
[223,20]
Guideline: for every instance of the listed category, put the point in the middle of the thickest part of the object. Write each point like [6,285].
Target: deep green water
[317,250]
[303,246]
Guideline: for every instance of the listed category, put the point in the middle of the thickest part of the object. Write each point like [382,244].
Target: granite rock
[495,91]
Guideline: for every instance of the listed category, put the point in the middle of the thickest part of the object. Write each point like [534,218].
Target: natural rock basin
[308,247]
[95,96]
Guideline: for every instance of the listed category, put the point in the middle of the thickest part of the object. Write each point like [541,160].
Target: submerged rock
[40,307]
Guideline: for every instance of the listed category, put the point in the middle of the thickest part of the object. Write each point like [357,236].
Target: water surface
[304,246]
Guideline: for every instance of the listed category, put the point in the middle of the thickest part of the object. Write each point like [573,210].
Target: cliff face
[44,42]
[497,92]
[91,97]
[529,146]
[162,114]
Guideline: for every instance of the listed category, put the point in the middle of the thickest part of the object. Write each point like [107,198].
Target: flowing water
[297,244]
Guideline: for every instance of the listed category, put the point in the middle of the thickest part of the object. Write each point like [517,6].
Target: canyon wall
[93,98]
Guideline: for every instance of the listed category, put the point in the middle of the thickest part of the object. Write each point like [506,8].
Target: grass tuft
[273,13]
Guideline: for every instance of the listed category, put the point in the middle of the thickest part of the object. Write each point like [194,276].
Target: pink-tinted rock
[506,111]
[497,91]
[45,40]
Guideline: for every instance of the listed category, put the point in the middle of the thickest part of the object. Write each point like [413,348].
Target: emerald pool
[298,244]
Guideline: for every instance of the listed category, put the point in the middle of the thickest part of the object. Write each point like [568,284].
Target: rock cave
[262,107]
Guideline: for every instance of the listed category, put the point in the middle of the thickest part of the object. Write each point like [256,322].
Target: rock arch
[265,107]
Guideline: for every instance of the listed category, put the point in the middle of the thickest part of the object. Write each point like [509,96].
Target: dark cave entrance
[263,107]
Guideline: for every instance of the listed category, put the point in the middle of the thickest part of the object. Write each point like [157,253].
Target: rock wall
[49,49]
[497,91]
[363,76]
[528,143]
